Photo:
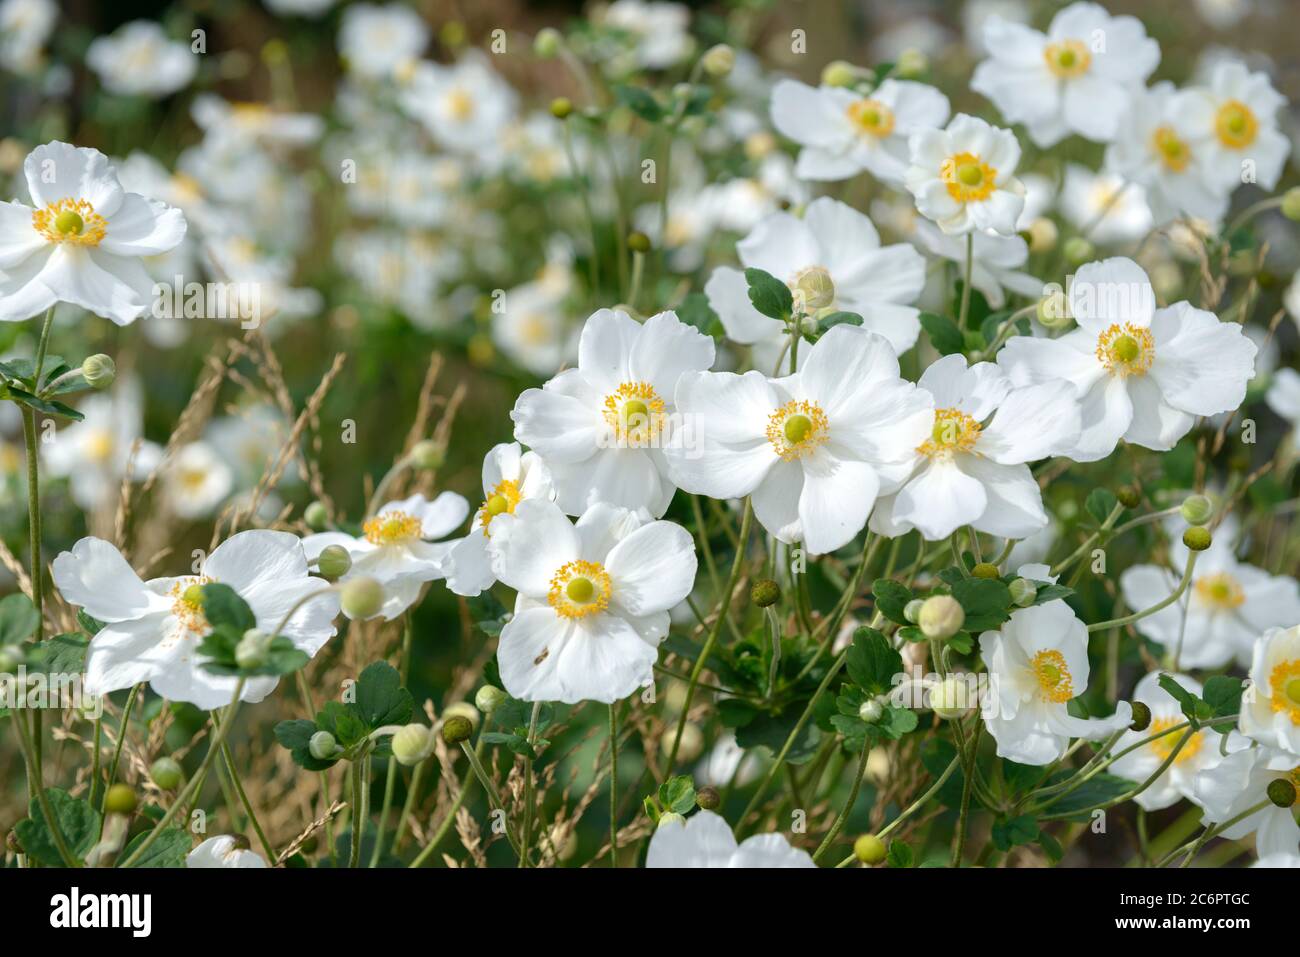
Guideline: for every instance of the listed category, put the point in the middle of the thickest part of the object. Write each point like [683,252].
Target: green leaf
[169,849]
[986,602]
[830,321]
[891,598]
[640,101]
[769,295]
[1098,790]
[677,794]
[1192,706]
[62,654]
[943,332]
[896,722]
[381,699]
[1100,503]
[18,619]
[695,311]
[771,731]
[899,855]
[91,626]
[222,606]
[488,613]
[77,820]
[872,662]
[1223,694]
[1010,832]
[46,406]
[296,735]
[1051,847]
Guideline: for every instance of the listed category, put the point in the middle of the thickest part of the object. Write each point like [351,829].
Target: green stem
[408,805]
[1165,603]
[613,785]
[390,785]
[843,816]
[965,286]
[450,819]
[493,796]
[117,748]
[243,799]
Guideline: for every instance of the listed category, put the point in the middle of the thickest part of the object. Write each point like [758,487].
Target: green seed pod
[322,746]
[1078,251]
[99,371]
[412,744]
[765,593]
[638,242]
[1141,717]
[941,617]
[547,43]
[1128,496]
[561,107]
[456,729]
[362,598]
[465,710]
[317,517]
[1281,792]
[334,562]
[428,454]
[1196,509]
[120,799]
[166,773]
[1023,592]
[870,849]
[489,698]
[1197,538]
[708,798]
[985,570]
[1291,204]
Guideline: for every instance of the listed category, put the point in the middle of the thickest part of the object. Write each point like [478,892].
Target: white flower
[533,327]
[705,840]
[249,440]
[1239,782]
[137,59]
[397,548]
[814,448]
[972,469]
[1271,713]
[25,25]
[1244,133]
[510,476]
[1229,605]
[962,178]
[1163,145]
[877,282]
[83,240]
[602,427]
[239,125]
[223,851]
[151,630]
[996,261]
[1142,374]
[1283,396]
[196,480]
[1200,753]
[593,599]
[302,8]
[1116,211]
[1037,663]
[466,107]
[374,41]
[659,30]
[1076,78]
[843,132]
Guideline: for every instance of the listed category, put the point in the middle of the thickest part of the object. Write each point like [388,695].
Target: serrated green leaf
[381,699]
[77,821]
[872,662]
[769,295]
[169,849]
[943,332]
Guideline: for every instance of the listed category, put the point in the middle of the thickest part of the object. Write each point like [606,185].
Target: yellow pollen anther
[1054,680]
[1220,591]
[579,589]
[1235,125]
[70,221]
[1164,745]
[390,528]
[872,117]
[797,429]
[1284,689]
[1126,350]
[1174,153]
[1067,58]
[502,501]
[954,431]
[187,603]
[967,177]
[636,414]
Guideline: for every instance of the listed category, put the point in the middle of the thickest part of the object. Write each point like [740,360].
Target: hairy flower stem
[1194,847]
[1165,603]
[122,726]
[408,805]
[494,797]
[968,783]
[965,286]
[527,830]
[613,785]
[843,816]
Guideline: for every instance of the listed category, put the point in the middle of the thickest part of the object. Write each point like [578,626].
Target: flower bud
[912,610]
[1078,251]
[708,798]
[322,746]
[316,516]
[465,710]
[547,43]
[765,593]
[166,773]
[814,288]
[1281,792]
[871,711]
[11,656]
[670,817]
[1023,592]
[412,744]
[1141,717]
[869,849]
[718,60]
[1042,236]
[941,617]
[362,598]
[428,454]
[1291,204]
[1054,310]
[1197,538]
[839,73]
[950,698]
[638,242]
[911,63]
[1196,509]
[120,799]
[99,371]
[1128,496]
[251,651]
[985,570]
[456,729]
[561,107]
[334,562]
[489,698]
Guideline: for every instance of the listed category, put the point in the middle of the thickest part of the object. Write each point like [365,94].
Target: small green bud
[911,63]
[362,598]
[561,107]
[638,242]
[547,43]
[1078,251]
[1197,538]
[950,698]
[941,617]
[985,570]
[1054,310]
[412,744]
[322,746]
[456,729]
[670,817]
[1023,592]
[465,710]
[765,593]
[166,773]
[912,610]
[871,711]
[428,454]
[1196,509]
[1141,717]
[1281,792]
[1128,496]
[869,849]
[1291,204]
[814,289]
[120,799]
[840,73]
[708,798]
[251,651]
[317,517]
[489,698]
[334,562]
[718,60]
[99,371]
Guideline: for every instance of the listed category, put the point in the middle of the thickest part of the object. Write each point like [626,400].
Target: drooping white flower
[603,426]
[659,30]
[223,851]
[152,630]
[399,547]
[81,240]
[1076,78]
[1142,374]
[466,106]
[1245,136]
[842,132]
[25,25]
[962,177]
[1271,713]
[814,449]
[1239,782]
[834,243]
[705,840]
[1037,663]
[593,599]
[510,476]
[996,261]
[972,469]
[375,41]
[196,480]
[1115,211]
[138,59]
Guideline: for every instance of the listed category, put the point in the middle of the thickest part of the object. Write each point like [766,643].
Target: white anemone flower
[973,467]
[237,126]
[1240,782]
[1075,78]
[197,480]
[82,239]
[25,25]
[137,59]
[223,851]
[375,41]
[842,132]
[1245,136]
[996,261]
[835,251]
[660,31]
[813,449]
[1037,663]
[466,106]
[603,427]
[593,599]
[962,177]
[1142,374]
[510,476]
[1198,755]
[1115,210]
[299,8]
[152,630]
[399,548]
[705,840]
[1283,396]
[1271,714]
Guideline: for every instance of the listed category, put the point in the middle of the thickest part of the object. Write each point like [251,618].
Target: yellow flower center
[1284,689]
[505,496]
[99,446]
[636,413]
[797,429]
[1067,58]
[460,105]
[872,117]
[579,589]
[391,528]
[1164,746]
[1054,681]
[954,431]
[1235,125]
[70,221]
[968,177]
[1220,591]
[187,604]
[1126,350]
[1173,152]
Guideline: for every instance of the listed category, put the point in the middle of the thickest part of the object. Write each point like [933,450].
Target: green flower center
[970,174]
[498,504]
[69,223]
[1292,690]
[1124,349]
[580,590]
[797,428]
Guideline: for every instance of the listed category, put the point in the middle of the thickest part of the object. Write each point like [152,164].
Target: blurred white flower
[659,30]
[466,107]
[532,328]
[25,25]
[1114,209]
[705,840]
[196,480]
[1240,782]
[1283,396]
[300,8]
[240,124]
[1245,144]
[137,59]
[223,851]
[962,176]
[376,41]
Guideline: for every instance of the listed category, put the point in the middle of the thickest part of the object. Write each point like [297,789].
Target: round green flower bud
[670,817]
[638,242]
[1128,496]
[1042,235]
[871,710]
[839,73]
[1141,717]
[120,799]
[362,598]
[317,517]
[1078,251]
[456,729]
[941,617]
[166,773]
[1197,538]
[912,610]
[11,657]
[465,710]
[718,60]
[428,454]
[1281,792]
[489,698]
[252,649]
[1196,509]
[911,63]
[99,371]
[334,562]
[708,798]
[547,43]
[814,288]
[1054,310]
[765,593]
[1291,204]
[561,107]
[869,849]
[985,570]
[322,746]
[411,744]
[950,698]
[1023,592]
